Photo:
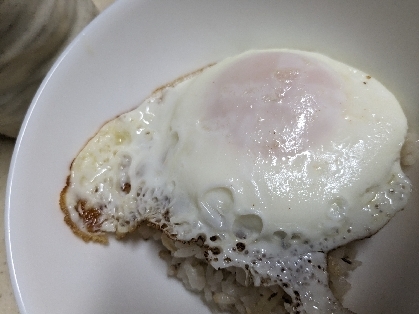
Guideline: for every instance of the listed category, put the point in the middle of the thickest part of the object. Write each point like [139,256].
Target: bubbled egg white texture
[273,157]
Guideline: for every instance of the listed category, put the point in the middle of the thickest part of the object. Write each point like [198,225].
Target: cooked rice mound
[229,289]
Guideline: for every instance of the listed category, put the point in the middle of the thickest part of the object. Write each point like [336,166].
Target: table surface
[7,299]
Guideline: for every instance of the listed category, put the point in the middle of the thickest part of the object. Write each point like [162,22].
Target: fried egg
[270,158]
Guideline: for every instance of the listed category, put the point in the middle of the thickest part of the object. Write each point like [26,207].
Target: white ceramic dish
[134,47]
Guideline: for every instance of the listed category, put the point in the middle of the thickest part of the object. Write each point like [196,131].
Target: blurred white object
[32,34]
[102,4]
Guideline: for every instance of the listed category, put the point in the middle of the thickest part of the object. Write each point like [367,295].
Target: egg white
[272,157]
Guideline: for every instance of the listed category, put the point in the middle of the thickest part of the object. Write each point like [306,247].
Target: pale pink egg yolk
[274,103]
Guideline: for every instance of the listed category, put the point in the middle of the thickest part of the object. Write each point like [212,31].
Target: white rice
[229,290]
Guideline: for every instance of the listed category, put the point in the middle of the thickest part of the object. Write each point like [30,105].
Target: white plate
[128,51]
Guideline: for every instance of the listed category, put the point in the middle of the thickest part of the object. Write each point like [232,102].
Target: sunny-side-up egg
[271,158]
